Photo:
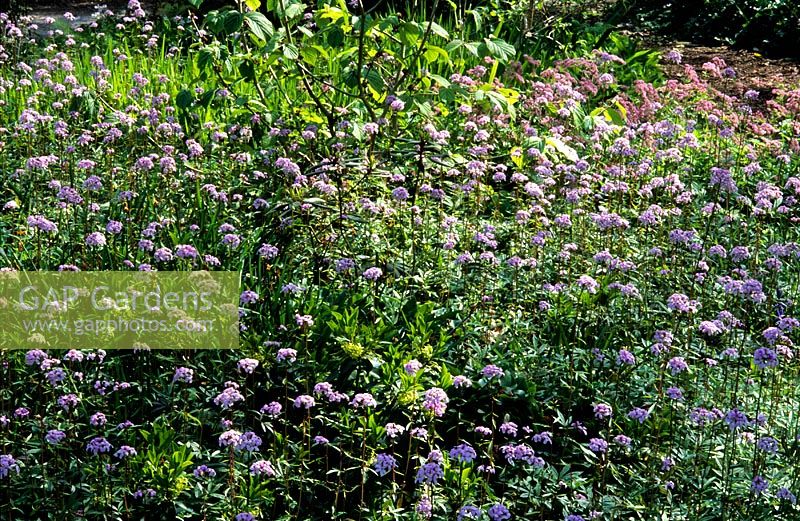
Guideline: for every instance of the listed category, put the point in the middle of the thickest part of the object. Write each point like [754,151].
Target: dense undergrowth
[477,281]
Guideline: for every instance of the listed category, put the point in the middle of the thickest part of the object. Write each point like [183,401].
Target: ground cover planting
[476,283]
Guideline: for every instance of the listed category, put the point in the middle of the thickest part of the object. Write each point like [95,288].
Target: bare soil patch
[753,71]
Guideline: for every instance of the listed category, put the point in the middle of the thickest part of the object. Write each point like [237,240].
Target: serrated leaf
[233,22]
[499,49]
[290,51]
[473,48]
[206,57]
[259,25]
[294,10]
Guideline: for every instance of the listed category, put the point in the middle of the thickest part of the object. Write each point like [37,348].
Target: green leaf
[443,82]
[233,21]
[259,25]
[615,117]
[566,150]
[499,49]
[335,37]
[294,10]
[424,108]
[453,45]
[321,50]
[290,51]
[213,21]
[473,48]
[247,70]
[438,30]
[206,56]
[478,19]
[196,3]
[184,99]
[207,97]
[375,80]
[310,54]
[409,33]
[447,95]
[434,53]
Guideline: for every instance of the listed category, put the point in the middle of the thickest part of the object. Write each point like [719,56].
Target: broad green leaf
[614,116]
[294,10]
[409,33]
[375,80]
[440,80]
[473,48]
[500,101]
[259,25]
[310,54]
[214,21]
[257,105]
[290,51]
[247,70]
[566,150]
[331,13]
[452,45]
[447,95]
[478,19]
[206,56]
[233,21]
[424,108]
[321,51]
[438,30]
[184,99]
[499,49]
[335,37]
[434,53]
